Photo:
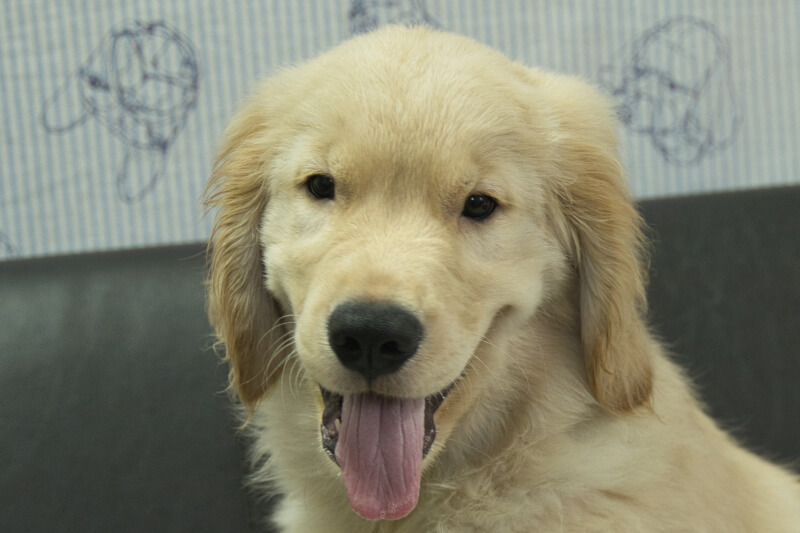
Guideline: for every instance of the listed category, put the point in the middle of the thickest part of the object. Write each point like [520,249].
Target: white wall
[710,91]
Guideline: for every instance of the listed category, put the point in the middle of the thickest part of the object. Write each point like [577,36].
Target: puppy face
[390,211]
[396,226]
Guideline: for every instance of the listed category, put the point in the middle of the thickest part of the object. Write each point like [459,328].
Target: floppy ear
[605,241]
[244,315]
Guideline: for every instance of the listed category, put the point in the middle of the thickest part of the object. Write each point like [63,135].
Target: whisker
[282,321]
[472,362]
[284,359]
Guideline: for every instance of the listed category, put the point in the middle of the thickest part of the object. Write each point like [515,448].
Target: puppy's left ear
[606,248]
[602,234]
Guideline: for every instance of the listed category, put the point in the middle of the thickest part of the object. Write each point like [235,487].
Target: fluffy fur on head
[417,177]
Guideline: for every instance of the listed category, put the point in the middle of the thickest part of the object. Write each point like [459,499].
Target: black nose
[373,338]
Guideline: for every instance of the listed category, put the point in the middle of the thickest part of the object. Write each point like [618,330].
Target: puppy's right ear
[244,315]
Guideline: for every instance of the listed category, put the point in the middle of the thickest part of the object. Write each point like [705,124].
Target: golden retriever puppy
[428,278]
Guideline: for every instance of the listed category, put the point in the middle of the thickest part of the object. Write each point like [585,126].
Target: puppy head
[395,214]
[352,181]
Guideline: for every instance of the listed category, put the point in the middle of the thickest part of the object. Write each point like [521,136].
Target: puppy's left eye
[479,206]
[321,186]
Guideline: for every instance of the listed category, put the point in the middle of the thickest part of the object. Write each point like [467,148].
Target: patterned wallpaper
[111,109]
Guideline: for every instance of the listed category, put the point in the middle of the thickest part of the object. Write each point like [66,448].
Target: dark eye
[321,186]
[479,206]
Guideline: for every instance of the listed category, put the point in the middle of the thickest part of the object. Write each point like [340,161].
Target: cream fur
[566,416]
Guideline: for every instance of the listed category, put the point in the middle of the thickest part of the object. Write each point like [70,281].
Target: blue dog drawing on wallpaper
[141,83]
[366,15]
[674,84]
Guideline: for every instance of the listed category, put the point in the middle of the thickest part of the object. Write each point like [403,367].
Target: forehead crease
[399,171]
[423,135]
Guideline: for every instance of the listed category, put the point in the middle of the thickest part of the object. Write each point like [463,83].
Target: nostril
[346,345]
[392,350]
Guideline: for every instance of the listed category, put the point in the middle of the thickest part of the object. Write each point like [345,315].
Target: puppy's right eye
[479,206]
[321,186]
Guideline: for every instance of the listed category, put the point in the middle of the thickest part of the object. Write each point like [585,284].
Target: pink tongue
[380,452]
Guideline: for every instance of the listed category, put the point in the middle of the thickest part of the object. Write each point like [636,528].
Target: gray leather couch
[113,416]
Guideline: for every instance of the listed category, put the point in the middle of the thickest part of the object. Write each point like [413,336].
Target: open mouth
[332,419]
[380,442]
